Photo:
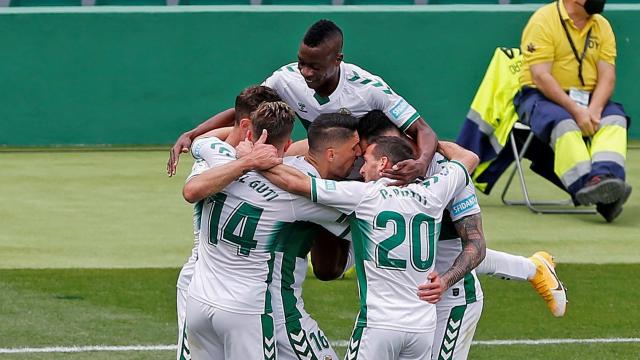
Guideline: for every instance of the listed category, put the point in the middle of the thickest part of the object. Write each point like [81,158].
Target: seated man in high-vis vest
[568,77]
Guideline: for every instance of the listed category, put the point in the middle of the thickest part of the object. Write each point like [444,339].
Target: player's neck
[234,137]
[313,160]
[330,86]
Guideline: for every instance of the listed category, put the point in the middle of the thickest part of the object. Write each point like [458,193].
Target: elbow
[190,195]
[472,162]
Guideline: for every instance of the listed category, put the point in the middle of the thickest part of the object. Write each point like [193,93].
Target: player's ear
[249,135]
[330,154]
[384,163]
[340,57]
[245,124]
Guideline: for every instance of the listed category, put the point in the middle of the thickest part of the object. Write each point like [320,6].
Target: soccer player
[539,269]
[334,146]
[394,233]
[320,83]
[246,102]
[228,309]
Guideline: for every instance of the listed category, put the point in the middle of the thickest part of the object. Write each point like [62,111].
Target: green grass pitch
[91,244]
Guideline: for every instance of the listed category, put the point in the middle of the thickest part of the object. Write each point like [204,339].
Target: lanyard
[579,58]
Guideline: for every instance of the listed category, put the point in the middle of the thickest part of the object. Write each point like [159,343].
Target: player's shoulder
[301,164]
[287,73]
[213,143]
[546,12]
[362,82]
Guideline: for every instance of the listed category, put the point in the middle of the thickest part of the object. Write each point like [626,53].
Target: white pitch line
[340,343]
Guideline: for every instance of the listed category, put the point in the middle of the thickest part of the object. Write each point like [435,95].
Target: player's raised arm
[183,144]
[453,151]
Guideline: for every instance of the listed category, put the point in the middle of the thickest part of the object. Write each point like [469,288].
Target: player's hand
[244,148]
[405,172]
[182,145]
[583,119]
[595,115]
[263,156]
[432,290]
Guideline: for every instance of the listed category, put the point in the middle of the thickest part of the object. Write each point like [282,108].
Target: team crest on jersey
[344,111]
[302,107]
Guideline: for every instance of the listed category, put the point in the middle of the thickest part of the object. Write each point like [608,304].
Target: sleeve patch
[399,109]
[464,205]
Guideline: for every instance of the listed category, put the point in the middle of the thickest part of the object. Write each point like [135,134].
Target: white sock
[506,266]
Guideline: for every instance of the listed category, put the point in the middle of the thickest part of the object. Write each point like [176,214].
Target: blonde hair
[276,117]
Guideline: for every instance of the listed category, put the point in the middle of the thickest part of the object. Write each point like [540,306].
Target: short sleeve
[275,81]
[448,183]
[199,166]
[464,203]
[397,109]
[344,196]
[213,151]
[537,44]
[608,51]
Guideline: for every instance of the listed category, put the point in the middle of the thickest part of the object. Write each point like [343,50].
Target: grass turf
[67,307]
[106,209]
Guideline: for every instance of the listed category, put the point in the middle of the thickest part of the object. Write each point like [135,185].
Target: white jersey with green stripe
[465,203]
[358,92]
[394,231]
[240,228]
[291,263]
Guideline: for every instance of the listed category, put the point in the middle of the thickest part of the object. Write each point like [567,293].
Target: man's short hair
[321,31]
[249,99]
[395,148]
[277,118]
[375,123]
[328,129]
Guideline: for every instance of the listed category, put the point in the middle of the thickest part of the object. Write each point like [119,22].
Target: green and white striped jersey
[394,232]
[465,203]
[240,229]
[291,262]
[358,92]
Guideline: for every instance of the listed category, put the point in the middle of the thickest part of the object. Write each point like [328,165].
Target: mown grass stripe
[340,343]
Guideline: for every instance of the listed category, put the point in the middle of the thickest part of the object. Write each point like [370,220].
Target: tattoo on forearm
[470,231]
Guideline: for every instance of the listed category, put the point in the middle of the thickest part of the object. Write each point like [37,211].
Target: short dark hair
[249,99]
[328,129]
[277,118]
[395,148]
[373,124]
[321,31]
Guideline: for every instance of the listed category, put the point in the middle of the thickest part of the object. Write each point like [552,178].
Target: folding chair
[534,206]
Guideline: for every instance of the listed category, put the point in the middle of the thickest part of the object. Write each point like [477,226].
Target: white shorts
[381,344]
[303,339]
[454,333]
[183,352]
[217,334]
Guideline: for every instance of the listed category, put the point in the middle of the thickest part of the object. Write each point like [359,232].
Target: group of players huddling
[407,219]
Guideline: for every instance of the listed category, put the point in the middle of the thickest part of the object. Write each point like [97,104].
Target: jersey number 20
[398,238]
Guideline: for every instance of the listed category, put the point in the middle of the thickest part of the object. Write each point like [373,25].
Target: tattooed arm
[469,229]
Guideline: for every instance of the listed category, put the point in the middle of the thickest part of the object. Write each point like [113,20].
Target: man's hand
[260,155]
[582,117]
[182,145]
[432,290]
[595,115]
[405,172]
